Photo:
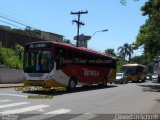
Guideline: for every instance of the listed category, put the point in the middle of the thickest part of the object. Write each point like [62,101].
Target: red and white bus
[52,64]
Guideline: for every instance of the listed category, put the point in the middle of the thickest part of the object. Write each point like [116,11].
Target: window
[38,61]
[61,55]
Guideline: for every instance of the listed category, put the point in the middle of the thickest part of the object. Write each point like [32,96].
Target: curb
[11,85]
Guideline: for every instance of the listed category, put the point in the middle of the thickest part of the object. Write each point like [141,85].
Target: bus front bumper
[43,83]
[132,78]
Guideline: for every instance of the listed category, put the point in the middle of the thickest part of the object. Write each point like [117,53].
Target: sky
[123,22]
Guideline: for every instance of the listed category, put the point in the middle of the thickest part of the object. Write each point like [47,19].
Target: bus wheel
[72,84]
[104,82]
[144,79]
[158,79]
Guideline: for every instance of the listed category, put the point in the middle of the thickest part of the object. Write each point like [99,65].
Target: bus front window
[39,61]
[130,70]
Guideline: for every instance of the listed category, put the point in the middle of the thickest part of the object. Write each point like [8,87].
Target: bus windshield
[130,70]
[38,61]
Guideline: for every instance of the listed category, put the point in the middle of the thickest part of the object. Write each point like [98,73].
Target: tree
[19,51]
[142,59]
[125,50]
[67,41]
[110,51]
[149,34]
[130,52]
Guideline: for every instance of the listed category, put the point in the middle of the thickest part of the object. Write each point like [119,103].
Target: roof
[74,47]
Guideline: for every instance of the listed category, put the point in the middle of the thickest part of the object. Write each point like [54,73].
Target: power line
[24,32]
[17,22]
[9,23]
[13,12]
[28,28]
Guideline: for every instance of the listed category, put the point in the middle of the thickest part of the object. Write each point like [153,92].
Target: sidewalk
[10,85]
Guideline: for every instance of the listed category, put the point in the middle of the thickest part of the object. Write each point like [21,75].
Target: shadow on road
[78,89]
[155,82]
[151,88]
[158,100]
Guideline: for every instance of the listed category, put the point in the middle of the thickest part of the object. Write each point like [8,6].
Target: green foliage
[34,33]
[125,50]
[110,52]
[120,63]
[150,68]
[18,31]
[149,34]
[0,44]
[67,41]
[141,60]
[144,60]
[19,51]
[9,58]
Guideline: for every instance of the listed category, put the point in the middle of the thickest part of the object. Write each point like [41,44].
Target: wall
[11,75]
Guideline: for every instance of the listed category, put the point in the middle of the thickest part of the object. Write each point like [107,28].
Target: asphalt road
[84,103]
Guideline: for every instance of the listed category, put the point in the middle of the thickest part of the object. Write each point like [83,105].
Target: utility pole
[78,23]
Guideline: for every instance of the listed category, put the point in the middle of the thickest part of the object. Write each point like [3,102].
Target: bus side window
[60,56]
[139,69]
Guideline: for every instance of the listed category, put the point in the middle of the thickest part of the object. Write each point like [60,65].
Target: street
[84,103]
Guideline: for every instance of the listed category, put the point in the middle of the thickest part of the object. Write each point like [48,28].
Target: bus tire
[144,79]
[104,82]
[72,84]
[138,80]
[158,79]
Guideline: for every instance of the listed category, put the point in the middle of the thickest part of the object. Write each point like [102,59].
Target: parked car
[154,76]
[148,77]
[121,78]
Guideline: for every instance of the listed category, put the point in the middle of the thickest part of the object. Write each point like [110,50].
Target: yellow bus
[135,72]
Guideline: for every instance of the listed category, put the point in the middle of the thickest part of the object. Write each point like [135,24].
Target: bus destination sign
[40,45]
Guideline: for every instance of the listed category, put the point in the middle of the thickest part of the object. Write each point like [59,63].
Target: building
[83,40]
[51,36]
[9,38]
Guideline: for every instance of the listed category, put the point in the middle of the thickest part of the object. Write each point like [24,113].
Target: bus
[135,72]
[53,64]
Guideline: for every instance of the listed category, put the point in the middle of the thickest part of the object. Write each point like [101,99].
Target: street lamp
[83,39]
[105,30]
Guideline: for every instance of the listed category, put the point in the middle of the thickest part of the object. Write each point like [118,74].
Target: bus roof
[74,47]
[132,65]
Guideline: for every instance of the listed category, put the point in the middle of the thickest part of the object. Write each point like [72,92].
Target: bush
[9,58]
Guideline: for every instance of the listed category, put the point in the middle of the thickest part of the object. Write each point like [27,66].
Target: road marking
[13,104]
[84,117]
[49,114]
[60,111]
[2,101]
[41,110]
[87,113]
[14,95]
[26,109]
